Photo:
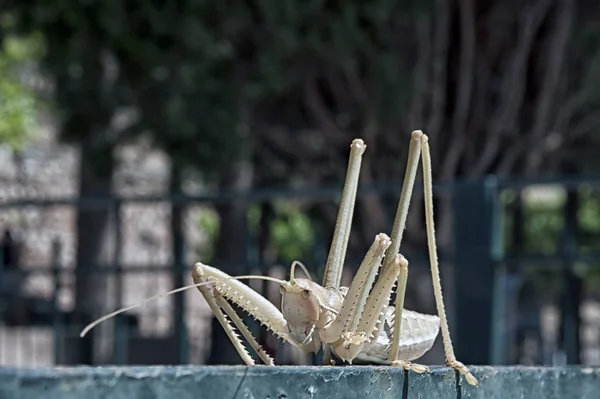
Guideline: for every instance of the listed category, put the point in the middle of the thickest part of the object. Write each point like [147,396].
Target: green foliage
[589,219]
[544,221]
[292,234]
[208,221]
[18,103]
[203,75]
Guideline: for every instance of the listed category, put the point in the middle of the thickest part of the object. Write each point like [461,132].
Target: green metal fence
[488,273]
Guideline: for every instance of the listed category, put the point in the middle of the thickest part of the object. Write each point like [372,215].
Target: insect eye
[305,293]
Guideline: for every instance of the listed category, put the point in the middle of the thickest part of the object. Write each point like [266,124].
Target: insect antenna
[165,294]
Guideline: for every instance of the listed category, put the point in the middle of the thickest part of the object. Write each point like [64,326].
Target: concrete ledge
[220,382]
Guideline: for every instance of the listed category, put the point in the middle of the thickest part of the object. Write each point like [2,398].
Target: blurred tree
[500,87]
[122,69]
[272,92]
[90,100]
[18,101]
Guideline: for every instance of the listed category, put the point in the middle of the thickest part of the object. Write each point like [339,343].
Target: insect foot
[350,345]
[417,368]
[464,370]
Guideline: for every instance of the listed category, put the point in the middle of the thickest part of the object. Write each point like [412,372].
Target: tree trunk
[230,253]
[92,295]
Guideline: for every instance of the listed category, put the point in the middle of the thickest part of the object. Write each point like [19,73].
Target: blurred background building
[138,137]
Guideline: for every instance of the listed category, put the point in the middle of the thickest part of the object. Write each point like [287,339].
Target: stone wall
[298,382]
[48,170]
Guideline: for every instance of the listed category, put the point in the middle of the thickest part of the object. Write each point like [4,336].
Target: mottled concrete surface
[296,382]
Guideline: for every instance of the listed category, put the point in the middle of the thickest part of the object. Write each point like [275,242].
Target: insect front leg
[222,290]
[219,289]
[225,314]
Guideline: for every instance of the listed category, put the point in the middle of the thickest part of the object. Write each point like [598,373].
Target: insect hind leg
[435,273]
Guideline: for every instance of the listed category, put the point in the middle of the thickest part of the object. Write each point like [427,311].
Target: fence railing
[487,287]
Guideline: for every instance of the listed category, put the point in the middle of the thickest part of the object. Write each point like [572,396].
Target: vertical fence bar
[3,305]
[251,257]
[180,326]
[474,220]
[264,257]
[179,247]
[500,316]
[58,326]
[181,333]
[506,284]
[121,332]
[571,295]
[319,253]
[320,259]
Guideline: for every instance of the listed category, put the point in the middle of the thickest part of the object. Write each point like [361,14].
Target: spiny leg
[225,289]
[239,323]
[344,330]
[225,322]
[217,288]
[365,317]
[435,273]
[341,234]
[372,316]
